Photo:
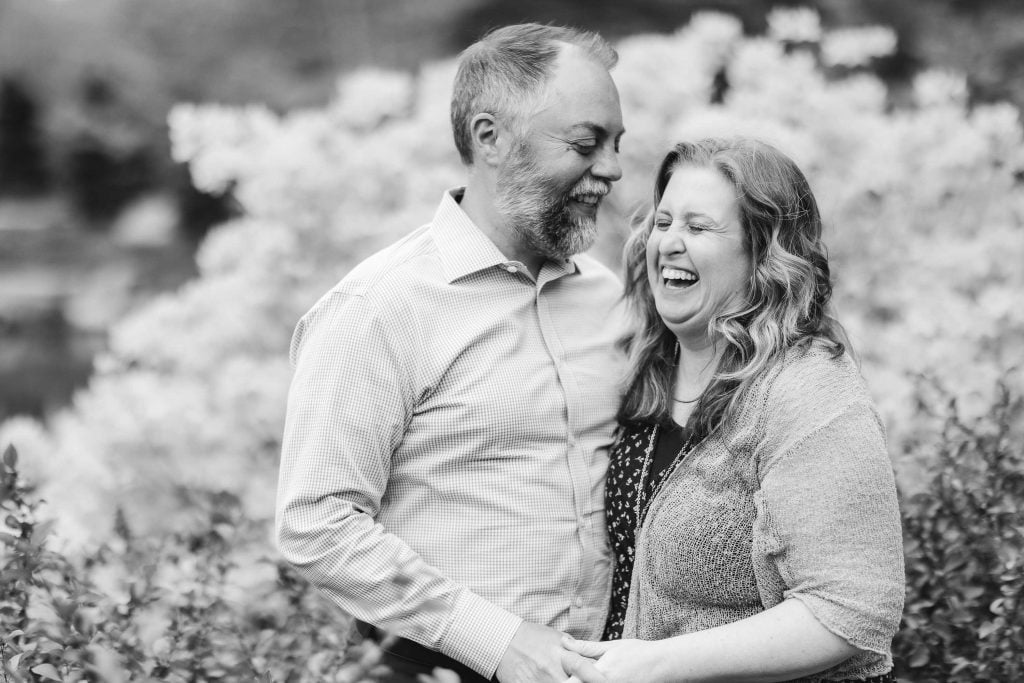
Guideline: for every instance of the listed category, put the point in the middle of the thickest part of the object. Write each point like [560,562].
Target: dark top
[635,445]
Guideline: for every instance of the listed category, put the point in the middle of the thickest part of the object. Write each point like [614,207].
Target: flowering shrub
[923,204]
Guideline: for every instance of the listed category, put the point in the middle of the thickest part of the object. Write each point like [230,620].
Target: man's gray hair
[502,72]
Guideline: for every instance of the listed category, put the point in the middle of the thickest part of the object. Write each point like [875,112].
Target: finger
[581,668]
[587,648]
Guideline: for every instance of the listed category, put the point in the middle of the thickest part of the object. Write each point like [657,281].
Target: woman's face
[697,258]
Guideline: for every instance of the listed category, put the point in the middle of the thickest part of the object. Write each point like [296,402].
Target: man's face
[556,173]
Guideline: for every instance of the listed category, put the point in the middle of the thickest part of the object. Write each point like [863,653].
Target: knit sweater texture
[794,499]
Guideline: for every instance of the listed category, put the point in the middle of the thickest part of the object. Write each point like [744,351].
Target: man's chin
[581,239]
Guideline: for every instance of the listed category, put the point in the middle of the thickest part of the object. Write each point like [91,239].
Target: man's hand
[533,656]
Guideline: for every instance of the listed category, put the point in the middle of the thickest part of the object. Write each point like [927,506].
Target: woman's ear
[483,131]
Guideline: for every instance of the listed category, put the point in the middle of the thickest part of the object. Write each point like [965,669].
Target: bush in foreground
[964,545]
[212,603]
[202,605]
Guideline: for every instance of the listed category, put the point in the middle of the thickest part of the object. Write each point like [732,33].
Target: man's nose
[607,166]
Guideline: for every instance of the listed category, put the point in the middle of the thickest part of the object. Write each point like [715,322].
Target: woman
[751,461]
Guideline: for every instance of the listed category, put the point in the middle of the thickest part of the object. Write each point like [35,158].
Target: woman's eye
[698,227]
[662,223]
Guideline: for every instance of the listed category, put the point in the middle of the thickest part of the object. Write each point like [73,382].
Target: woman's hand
[618,661]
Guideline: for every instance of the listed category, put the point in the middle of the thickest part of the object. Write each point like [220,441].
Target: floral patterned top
[638,447]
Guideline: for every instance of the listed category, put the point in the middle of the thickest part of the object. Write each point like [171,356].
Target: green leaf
[41,531]
[987,629]
[47,671]
[11,456]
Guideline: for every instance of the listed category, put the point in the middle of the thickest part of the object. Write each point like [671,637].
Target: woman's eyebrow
[689,215]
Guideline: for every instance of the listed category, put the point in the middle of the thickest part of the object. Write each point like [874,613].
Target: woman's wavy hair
[786,303]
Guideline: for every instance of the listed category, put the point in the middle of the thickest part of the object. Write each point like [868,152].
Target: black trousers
[406,660]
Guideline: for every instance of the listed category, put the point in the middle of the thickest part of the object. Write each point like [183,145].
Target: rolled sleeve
[828,527]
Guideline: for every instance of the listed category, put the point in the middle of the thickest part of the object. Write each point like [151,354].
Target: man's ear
[483,131]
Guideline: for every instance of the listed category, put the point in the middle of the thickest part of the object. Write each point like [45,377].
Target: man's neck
[478,203]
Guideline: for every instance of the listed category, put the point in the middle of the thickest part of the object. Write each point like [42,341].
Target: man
[455,395]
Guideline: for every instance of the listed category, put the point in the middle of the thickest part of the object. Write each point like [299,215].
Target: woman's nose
[672,242]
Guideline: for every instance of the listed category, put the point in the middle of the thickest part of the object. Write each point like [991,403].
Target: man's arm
[351,399]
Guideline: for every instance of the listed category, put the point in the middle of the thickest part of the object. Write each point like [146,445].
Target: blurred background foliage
[322,135]
[96,217]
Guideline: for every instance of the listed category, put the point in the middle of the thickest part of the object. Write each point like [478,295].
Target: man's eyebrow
[596,128]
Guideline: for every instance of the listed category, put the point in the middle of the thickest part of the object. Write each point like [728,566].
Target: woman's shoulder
[809,393]
[806,387]
[814,375]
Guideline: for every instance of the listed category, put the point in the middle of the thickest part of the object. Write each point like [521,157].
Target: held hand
[533,656]
[618,661]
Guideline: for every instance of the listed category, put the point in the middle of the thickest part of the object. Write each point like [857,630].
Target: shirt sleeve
[827,530]
[352,396]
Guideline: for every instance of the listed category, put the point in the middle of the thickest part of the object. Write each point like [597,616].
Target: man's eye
[584,147]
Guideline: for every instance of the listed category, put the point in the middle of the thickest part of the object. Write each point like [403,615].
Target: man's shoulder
[412,258]
[381,279]
[375,291]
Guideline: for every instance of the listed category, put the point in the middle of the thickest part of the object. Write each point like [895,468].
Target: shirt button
[578,602]
[512,269]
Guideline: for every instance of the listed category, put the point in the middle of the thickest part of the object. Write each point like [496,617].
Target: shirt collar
[465,250]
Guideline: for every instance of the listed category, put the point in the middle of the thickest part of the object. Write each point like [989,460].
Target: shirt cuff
[479,633]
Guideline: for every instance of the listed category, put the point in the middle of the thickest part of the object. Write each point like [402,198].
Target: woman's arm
[779,644]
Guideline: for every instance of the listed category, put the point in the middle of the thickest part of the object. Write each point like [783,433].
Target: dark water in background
[63,285]
[43,359]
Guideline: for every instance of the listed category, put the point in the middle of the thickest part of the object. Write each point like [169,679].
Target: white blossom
[854,47]
[794,24]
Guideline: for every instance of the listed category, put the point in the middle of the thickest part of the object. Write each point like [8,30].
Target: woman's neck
[695,366]
[697,362]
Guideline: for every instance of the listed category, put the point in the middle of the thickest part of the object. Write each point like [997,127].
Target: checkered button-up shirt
[447,436]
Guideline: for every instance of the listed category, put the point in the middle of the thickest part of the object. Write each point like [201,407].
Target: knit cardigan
[795,499]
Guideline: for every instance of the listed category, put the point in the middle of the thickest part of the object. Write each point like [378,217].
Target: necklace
[679,350]
[643,500]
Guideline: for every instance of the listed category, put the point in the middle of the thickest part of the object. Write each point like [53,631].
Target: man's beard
[538,211]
